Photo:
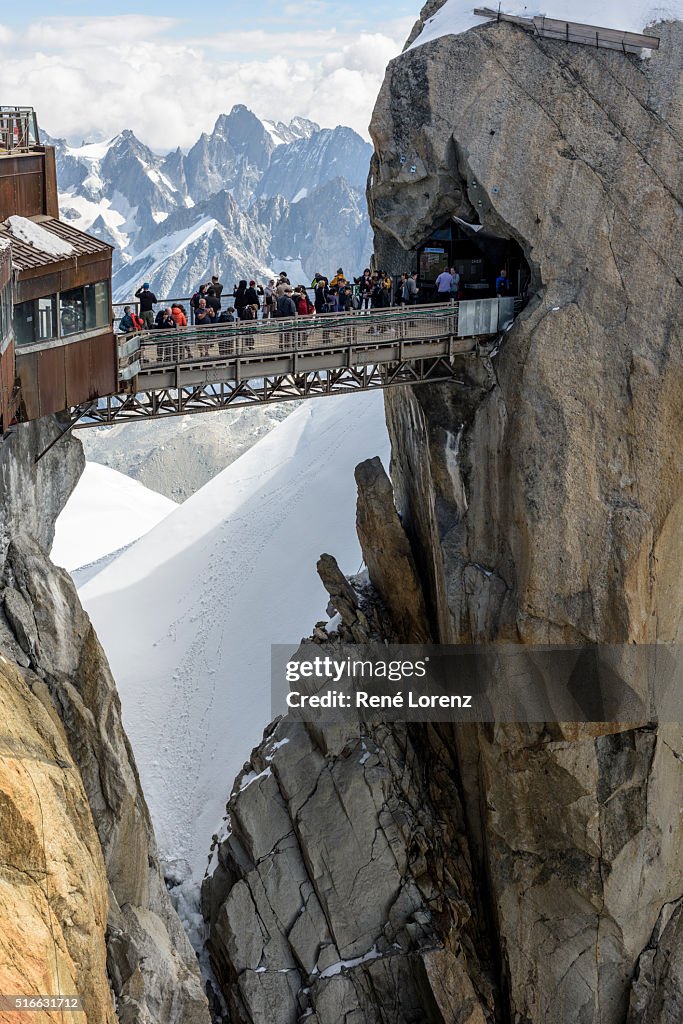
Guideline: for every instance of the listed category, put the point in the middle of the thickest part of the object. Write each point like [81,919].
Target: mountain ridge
[246,197]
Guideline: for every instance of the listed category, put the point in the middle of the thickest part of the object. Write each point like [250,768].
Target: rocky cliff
[83,905]
[520,874]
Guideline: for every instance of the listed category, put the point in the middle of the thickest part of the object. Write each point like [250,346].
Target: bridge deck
[196,369]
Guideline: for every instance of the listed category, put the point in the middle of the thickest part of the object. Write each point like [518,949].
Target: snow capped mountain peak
[298,128]
[172,217]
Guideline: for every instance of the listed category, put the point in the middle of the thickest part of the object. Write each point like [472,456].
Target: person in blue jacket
[502,284]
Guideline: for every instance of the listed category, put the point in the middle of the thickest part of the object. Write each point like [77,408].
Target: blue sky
[371,15]
[91,69]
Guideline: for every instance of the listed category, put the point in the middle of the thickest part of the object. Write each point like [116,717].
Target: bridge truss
[177,373]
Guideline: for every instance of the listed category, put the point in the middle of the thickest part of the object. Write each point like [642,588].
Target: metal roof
[27,257]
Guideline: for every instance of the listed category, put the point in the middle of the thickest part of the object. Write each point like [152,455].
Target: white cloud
[91,77]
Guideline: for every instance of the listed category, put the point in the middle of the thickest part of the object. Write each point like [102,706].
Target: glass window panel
[46,324]
[5,313]
[71,311]
[24,323]
[97,313]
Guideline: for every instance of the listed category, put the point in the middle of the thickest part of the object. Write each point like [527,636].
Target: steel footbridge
[201,369]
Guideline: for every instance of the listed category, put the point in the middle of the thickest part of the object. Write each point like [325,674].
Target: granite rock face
[54,895]
[344,890]
[551,511]
[388,554]
[119,936]
[566,479]
[529,873]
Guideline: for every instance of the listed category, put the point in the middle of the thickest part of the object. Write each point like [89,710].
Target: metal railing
[18,129]
[147,351]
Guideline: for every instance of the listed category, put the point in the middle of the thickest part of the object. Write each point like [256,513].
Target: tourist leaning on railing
[130,321]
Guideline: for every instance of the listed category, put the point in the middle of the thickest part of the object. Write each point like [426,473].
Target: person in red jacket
[178,314]
[303,305]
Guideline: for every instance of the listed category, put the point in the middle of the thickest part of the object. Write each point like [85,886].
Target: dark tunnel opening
[478,255]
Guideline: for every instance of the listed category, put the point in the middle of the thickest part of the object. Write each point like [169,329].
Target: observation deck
[200,369]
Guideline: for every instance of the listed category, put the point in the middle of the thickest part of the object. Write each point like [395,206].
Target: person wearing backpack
[269,301]
[346,298]
[286,310]
[411,288]
[381,300]
[320,295]
[127,321]
[285,306]
[303,306]
[338,281]
[196,299]
[241,301]
[365,289]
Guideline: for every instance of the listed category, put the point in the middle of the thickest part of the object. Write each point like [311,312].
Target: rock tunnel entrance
[478,254]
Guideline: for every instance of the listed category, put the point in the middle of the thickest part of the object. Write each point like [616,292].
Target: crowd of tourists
[279,299]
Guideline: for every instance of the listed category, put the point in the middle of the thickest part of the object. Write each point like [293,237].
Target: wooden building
[61,340]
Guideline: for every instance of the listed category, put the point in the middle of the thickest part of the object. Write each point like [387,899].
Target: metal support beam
[184,401]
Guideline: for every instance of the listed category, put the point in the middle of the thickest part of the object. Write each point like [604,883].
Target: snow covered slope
[456,16]
[179,455]
[187,615]
[105,513]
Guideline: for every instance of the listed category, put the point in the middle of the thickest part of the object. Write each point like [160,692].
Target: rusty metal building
[60,340]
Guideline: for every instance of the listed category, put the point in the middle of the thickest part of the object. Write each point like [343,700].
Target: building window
[62,315]
[71,312]
[46,318]
[24,317]
[5,314]
[97,308]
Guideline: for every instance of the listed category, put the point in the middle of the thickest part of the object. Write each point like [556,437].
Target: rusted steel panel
[27,374]
[35,287]
[32,284]
[6,197]
[22,186]
[8,401]
[86,272]
[91,369]
[51,200]
[104,365]
[30,194]
[51,380]
[78,371]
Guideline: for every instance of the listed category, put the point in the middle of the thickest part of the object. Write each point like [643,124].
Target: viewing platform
[199,369]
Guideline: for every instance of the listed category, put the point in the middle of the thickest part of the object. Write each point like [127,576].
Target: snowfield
[187,615]
[456,15]
[107,511]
